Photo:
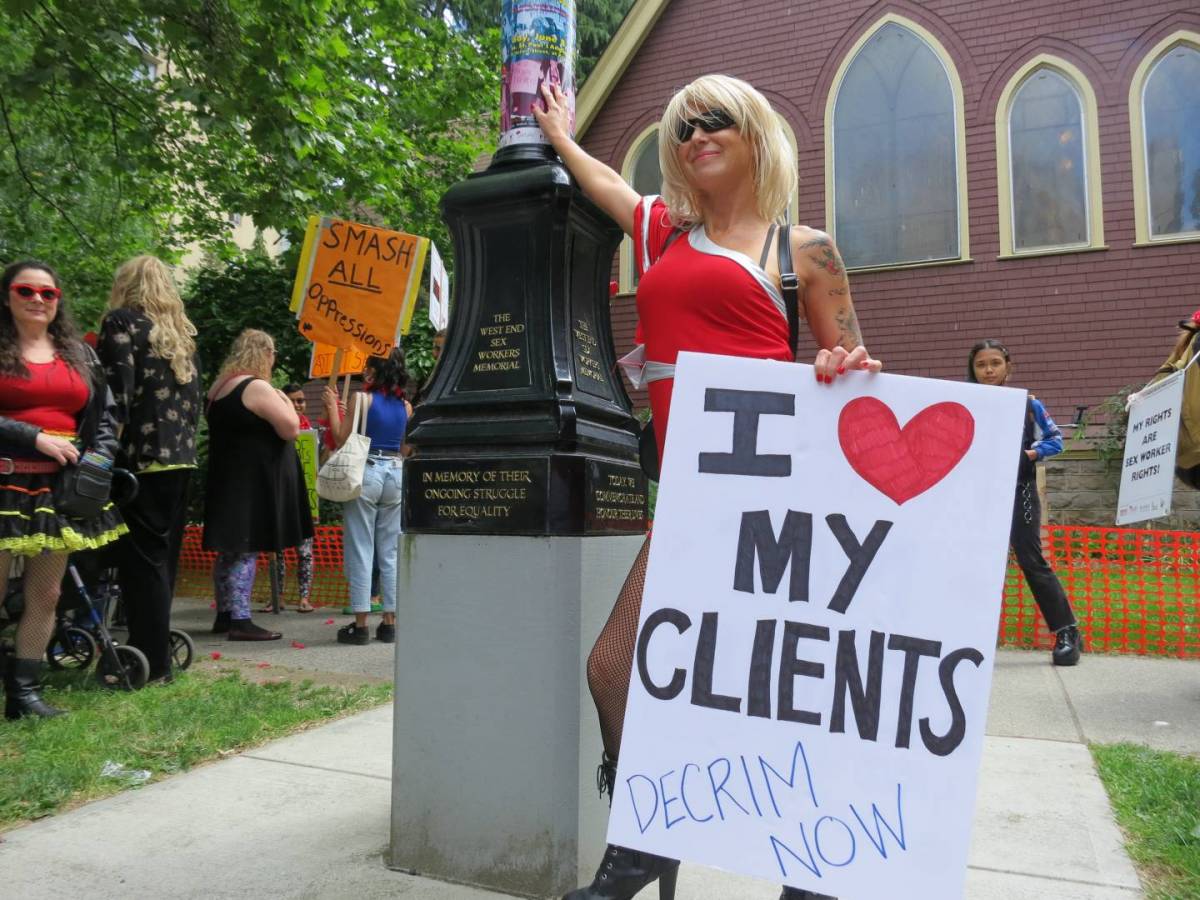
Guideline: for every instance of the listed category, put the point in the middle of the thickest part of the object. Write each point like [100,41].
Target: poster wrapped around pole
[537,47]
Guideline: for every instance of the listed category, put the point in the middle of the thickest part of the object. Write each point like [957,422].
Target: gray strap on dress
[766,250]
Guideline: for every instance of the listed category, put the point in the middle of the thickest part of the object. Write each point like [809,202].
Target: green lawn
[50,765]
[1156,798]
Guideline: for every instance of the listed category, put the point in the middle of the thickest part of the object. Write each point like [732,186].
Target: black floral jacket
[158,415]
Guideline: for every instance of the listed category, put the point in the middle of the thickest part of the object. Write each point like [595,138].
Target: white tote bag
[341,478]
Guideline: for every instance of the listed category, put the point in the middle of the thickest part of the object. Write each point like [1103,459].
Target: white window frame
[1093,192]
[960,140]
[1137,130]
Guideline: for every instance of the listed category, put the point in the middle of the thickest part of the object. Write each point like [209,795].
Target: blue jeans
[372,529]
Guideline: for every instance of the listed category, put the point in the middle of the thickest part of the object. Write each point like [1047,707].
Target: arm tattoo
[848,334]
[825,255]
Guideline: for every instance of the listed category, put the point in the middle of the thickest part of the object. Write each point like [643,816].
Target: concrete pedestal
[496,740]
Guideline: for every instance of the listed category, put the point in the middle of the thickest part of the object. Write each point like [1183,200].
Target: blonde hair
[252,352]
[144,283]
[775,177]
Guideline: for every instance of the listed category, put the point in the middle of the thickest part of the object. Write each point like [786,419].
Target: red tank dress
[49,398]
[699,296]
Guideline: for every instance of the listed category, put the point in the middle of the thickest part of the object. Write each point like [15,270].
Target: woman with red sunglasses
[54,405]
[709,282]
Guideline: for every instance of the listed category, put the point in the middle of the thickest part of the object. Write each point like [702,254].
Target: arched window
[1047,155]
[646,176]
[898,187]
[642,171]
[1165,107]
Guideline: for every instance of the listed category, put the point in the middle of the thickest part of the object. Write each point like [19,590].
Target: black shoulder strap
[791,286]
[675,233]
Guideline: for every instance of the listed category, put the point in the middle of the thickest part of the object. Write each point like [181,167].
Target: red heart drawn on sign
[904,462]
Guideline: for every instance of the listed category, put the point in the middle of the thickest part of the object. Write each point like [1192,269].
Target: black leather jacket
[95,425]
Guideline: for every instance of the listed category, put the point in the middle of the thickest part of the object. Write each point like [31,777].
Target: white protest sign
[439,290]
[814,655]
[1148,472]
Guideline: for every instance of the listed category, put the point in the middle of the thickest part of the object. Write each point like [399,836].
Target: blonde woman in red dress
[708,282]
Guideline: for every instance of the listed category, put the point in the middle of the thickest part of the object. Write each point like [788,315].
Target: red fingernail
[841,370]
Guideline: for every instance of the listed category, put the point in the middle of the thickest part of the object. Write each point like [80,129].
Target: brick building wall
[1081,489]
[1081,324]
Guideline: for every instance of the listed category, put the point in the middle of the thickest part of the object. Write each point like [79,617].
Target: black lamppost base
[526,427]
[522,154]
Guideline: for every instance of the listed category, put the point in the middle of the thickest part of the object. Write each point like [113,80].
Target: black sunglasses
[711,121]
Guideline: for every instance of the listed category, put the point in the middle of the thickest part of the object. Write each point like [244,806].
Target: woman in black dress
[255,500]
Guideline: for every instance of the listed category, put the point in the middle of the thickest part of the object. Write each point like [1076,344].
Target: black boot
[624,872]
[1068,644]
[221,623]
[797,894]
[22,691]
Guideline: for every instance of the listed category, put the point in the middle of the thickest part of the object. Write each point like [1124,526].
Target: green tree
[598,22]
[141,124]
[252,291]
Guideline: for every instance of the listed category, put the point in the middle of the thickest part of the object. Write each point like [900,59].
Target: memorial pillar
[524,507]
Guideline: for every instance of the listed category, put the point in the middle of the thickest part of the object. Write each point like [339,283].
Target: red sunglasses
[48,294]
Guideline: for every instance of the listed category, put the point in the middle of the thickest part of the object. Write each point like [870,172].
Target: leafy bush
[249,291]
[225,296]
[1106,423]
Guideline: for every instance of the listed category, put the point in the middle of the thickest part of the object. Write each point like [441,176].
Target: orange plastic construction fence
[1133,591]
[329,584]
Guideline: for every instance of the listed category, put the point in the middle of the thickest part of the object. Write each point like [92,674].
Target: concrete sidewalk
[308,816]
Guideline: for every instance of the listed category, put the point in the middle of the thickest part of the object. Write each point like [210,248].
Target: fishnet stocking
[611,660]
[43,583]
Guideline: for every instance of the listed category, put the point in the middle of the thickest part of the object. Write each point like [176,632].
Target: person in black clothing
[54,409]
[304,550]
[147,345]
[255,501]
[989,363]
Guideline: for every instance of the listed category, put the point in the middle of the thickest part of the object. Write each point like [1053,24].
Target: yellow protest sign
[305,266]
[306,447]
[321,364]
[359,281]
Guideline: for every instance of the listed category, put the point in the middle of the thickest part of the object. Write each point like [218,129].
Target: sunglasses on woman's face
[48,294]
[712,121]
